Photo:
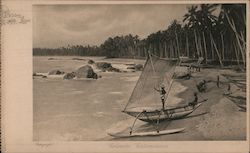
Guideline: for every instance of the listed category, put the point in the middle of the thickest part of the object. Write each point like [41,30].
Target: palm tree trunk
[165,49]
[244,44]
[177,43]
[187,46]
[216,49]
[200,46]
[236,53]
[196,43]
[205,48]
[232,25]
[160,49]
[238,37]
[223,47]
[212,49]
[171,49]
[241,49]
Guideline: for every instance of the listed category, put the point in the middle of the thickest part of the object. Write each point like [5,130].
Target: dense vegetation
[219,38]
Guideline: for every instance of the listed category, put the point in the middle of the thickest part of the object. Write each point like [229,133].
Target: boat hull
[167,114]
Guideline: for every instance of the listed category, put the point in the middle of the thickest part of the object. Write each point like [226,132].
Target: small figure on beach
[195,101]
[202,86]
[162,92]
[188,76]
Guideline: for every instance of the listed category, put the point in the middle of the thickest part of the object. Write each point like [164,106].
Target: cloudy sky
[60,25]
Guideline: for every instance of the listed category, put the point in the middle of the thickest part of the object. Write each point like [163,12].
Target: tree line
[220,38]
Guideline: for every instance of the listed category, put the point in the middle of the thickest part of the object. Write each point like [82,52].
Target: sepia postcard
[124,76]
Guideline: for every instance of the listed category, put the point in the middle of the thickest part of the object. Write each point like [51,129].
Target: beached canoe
[141,134]
[152,115]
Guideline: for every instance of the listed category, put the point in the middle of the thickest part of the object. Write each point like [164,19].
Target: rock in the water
[69,76]
[79,59]
[104,66]
[95,76]
[138,67]
[55,72]
[112,69]
[131,67]
[86,72]
[91,61]
[39,75]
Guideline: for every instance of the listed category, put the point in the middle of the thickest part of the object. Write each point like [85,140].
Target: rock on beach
[85,72]
[55,72]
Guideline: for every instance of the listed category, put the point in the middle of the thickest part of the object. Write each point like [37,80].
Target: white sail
[156,71]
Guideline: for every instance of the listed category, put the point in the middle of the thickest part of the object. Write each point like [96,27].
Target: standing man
[162,92]
[195,101]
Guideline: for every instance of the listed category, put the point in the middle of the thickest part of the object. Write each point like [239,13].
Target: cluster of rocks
[85,71]
[106,67]
[56,72]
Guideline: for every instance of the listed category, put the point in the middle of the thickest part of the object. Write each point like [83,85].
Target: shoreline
[217,119]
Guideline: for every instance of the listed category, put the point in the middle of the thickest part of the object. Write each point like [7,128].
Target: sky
[59,25]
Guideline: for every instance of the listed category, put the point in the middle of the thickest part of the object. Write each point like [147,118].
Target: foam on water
[99,114]
[77,92]
[115,92]
[131,79]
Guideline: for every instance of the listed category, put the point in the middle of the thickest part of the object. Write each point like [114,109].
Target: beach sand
[217,119]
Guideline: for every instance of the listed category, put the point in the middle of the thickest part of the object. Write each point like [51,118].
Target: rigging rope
[156,70]
[154,73]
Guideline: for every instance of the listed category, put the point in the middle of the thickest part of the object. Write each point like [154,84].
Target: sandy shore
[217,119]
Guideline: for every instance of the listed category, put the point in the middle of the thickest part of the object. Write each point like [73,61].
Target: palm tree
[234,17]
[192,23]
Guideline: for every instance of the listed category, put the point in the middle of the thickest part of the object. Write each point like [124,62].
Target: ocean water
[78,110]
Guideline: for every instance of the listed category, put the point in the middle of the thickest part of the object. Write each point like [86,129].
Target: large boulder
[69,76]
[138,67]
[55,72]
[85,72]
